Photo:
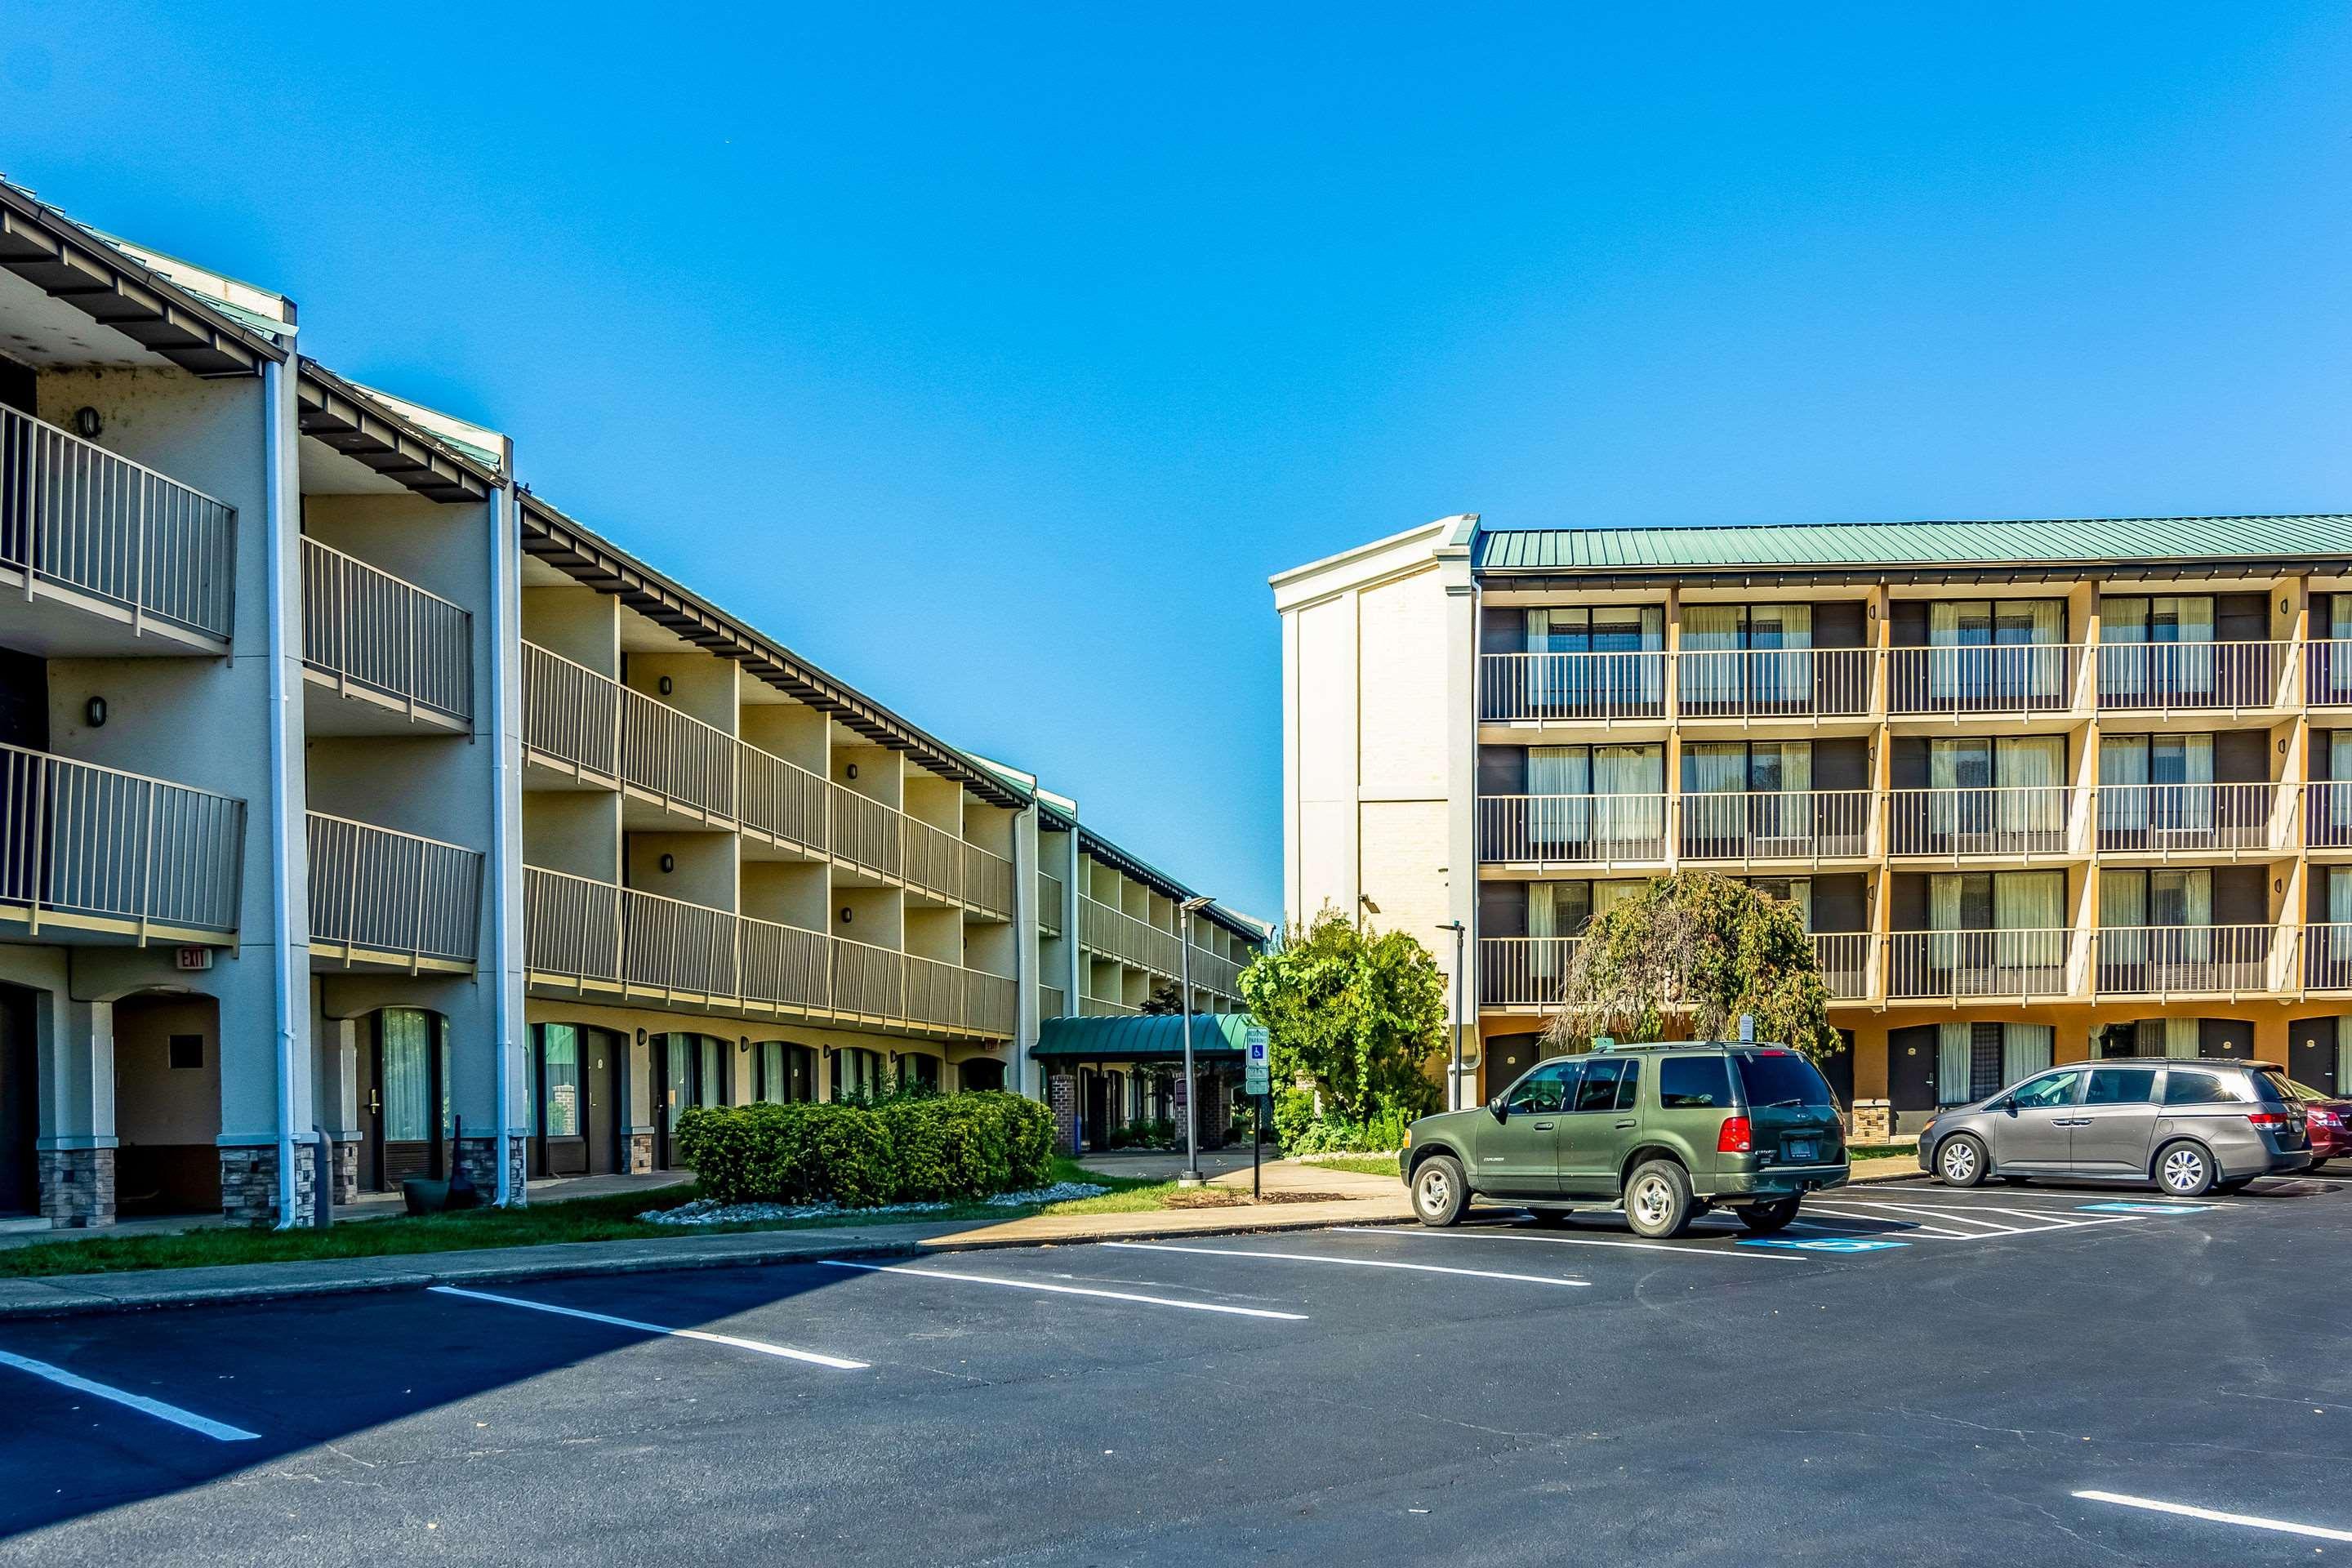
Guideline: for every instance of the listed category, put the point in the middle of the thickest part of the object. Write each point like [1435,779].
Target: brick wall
[1064,1093]
[478,1158]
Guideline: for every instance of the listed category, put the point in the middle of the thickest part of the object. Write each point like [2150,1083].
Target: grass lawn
[608,1218]
[1362,1164]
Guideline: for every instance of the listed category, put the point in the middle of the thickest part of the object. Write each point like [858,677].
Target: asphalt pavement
[1912,1374]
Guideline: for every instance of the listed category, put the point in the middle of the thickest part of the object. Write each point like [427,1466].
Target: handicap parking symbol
[2144,1209]
[1825,1244]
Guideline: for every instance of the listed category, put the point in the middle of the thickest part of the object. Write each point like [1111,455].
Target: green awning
[1136,1038]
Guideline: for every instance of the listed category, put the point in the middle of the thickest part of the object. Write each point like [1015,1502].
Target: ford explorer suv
[2187,1125]
[1668,1132]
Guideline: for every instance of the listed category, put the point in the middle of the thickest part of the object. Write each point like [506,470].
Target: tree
[1359,1016]
[1165,1001]
[1703,948]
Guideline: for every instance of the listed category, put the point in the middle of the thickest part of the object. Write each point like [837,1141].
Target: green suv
[1668,1131]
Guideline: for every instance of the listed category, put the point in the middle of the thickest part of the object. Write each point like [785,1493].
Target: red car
[2329,1121]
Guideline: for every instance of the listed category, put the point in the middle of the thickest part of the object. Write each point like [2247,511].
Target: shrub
[906,1148]
[1300,1131]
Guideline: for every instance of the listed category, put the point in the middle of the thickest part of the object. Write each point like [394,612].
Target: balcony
[2196,677]
[587,937]
[1572,830]
[400,655]
[96,850]
[388,899]
[2007,677]
[1214,972]
[1103,1007]
[2327,674]
[1580,686]
[111,558]
[2018,823]
[1774,683]
[1053,1002]
[2327,815]
[1523,971]
[1953,965]
[1844,957]
[1115,933]
[1050,893]
[2164,962]
[2325,963]
[1810,826]
[2167,819]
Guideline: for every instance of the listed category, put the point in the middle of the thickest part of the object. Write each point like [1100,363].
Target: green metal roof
[1138,1037]
[1800,544]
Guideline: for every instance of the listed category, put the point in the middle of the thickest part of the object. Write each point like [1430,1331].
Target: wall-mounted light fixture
[89,424]
[666,685]
[849,771]
[94,712]
[641,1037]
[844,914]
[2282,746]
[668,863]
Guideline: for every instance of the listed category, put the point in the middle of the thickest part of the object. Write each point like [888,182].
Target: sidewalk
[1358,1200]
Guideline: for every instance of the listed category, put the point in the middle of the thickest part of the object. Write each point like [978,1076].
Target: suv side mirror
[1502,1111]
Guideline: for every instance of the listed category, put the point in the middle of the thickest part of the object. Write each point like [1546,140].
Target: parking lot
[1911,1373]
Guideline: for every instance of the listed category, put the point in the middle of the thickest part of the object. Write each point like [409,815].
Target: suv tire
[2183,1168]
[1658,1199]
[1440,1193]
[1961,1161]
[1763,1219]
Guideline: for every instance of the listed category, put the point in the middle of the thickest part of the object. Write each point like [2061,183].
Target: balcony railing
[1577,686]
[1050,893]
[2179,961]
[1103,1007]
[1053,1002]
[1721,683]
[2328,814]
[595,934]
[1572,828]
[675,757]
[2028,820]
[2326,956]
[2006,678]
[987,882]
[1844,959]
[1117,935]
[1524,971]
[2197,677]
[570,713]
[381,894]
[778,799]
[2327,674]
[96,848]
[369,629]
[1786,824]
[2025,965]
[1215,973]
[2163,818]
[78,517]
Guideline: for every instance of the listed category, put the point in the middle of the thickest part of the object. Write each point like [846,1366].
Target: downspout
[503,924]
[291,980]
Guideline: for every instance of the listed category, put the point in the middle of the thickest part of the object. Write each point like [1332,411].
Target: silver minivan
[2188,1126]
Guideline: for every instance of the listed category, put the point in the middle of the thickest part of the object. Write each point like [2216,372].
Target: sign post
[1259,1084]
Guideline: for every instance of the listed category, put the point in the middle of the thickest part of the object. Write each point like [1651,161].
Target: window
[920,1073]
[2274,1085]
[558,1045]
[857,1073]
[1544,1090]
[2121,1086]
[187,1052]
[1780,1077]
[1597,1090]
[1694,1083]
[2184,1087]
[2054,1089]
[1629,1084]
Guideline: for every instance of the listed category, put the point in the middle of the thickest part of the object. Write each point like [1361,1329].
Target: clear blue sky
[1039,336]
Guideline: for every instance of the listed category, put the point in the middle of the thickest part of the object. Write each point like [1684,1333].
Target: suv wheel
[1439,1193]
[2184,1169]
[1960,1163]
[1763,1219]
[1658,1199]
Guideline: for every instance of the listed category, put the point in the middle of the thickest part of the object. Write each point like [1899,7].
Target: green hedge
[938,1148]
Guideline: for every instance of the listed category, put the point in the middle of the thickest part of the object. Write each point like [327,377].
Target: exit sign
[196,958]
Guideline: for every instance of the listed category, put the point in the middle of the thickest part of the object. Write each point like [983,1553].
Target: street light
[1192,1174]
[1453,1100]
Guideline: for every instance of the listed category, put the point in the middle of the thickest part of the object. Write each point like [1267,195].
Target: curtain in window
[776,1084]
[2026,625]
[681,1085]
[407,1086]
[1786,681]
[2343,1055]
[1714,767]
[2029,901]
[1543,924]
[714,1070]
[2339,771]
[1955,1063]
[1952,767]
[2031,768]
[1717,680]
[1953,625]
[1542,669]
[2181,1037]
[1559,780]
[2186,622]
[2123,899]
[2123,627]
[1607,896]
[1631,783]
[560,1052]
[2025,1049]
[2123,764]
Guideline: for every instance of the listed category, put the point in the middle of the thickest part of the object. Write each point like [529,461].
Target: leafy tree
[1165,1001]
[1700,949]
[1361,1018]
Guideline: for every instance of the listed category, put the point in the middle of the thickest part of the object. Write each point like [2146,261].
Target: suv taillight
[1737,1137]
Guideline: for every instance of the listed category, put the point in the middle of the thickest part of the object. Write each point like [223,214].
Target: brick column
[76,1187]
[250,1183]
[1063,1092]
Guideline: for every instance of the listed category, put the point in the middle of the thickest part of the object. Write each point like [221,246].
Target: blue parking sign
[1825,1244]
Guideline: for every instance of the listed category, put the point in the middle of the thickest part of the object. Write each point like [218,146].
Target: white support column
[503,963]
[1461,871]
[1027,951]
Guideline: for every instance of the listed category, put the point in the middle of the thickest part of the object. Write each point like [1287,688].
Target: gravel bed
[710,1211]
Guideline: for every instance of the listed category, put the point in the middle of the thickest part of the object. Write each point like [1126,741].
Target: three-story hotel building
[353,798]
[2042,789]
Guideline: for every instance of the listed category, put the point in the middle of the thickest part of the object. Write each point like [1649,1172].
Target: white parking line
[1350,1262]
[1958,1216]
[734,1341]
[1064,1289]
[2249,1520]
[1888,1228]
[219,1431]
[1677,1248]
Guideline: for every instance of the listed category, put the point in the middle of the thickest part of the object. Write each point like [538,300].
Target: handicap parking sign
[1825,1244]
[1255,1068]
[2144,1209]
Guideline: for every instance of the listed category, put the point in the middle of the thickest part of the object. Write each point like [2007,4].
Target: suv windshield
[1780,1078]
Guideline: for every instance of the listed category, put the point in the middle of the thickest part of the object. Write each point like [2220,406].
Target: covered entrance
[404,1098]
[574,1123]
[1096,1065]
[687,1071]
[167,1117]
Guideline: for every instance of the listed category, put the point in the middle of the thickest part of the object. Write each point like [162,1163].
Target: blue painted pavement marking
[1827,1244]
[2145,1208]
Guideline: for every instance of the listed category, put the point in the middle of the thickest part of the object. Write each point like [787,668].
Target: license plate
[1801,1151]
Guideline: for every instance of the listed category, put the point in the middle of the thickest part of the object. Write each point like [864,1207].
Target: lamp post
[1191,1177]
[1453,1099]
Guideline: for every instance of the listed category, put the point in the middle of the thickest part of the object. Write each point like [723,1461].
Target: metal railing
[392,893]
[677,757]
[1051,1002]
[98,844]
[779,798]
[1796,682]
[369,629]
[1627,684]
[2025,965]
[2191,817]
[74,514]
[2328,814]
[1120,935]
[1103,1007]
[570,712]
[2196,675]
[864,832]
[2167,961]
[1786,824]
[1050,893]
[1215,972]
[2026,820]
[784,965]
[992,1002]
[987,883]
[2327,673]
[1572,828]
[1524,971]
[2326,956]
[2004,678]
[1844,957]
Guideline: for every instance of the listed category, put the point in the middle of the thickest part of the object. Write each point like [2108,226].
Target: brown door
[405,1101]
[559,1100]
[20,1104]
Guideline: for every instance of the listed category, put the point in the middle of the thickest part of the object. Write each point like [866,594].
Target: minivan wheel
[2184,1169]
[1763,1219]
[1960,1163]
[1658,1199]
[1439,1193]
